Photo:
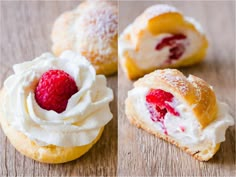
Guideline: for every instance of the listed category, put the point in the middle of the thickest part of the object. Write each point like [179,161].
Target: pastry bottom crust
[202,155]
[106,68]
[46,154]
[107,65]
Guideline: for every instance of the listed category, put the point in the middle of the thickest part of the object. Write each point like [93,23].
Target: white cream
[147,56]
[192,134]
[89,107]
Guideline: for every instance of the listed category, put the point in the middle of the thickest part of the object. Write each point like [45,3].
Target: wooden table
[140,153]
[25,34]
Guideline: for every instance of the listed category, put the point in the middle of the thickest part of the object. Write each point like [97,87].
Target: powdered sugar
[159,9]
[196,87]
[176,81]
[100,22]
[95,30]
[91,29]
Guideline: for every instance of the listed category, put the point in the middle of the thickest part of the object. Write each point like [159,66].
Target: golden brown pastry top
[192,90]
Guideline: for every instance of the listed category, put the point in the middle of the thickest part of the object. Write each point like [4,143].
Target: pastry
[90,29]
[54,109]
[183,111]
[161,37]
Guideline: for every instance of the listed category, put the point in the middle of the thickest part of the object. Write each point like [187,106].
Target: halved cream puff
[161,37]
[183,111]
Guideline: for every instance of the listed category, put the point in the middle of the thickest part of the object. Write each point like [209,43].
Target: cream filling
[86,113]
[192,134]
[147,56]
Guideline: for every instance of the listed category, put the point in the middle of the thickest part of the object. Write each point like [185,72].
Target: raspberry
[177,48]
[159,97]
[158,105]
[54,89]
[182,128]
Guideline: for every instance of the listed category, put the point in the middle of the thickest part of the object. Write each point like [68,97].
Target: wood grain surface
[25,34]
[140,153]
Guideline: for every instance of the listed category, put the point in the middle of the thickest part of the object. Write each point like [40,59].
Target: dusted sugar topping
[91,29]
[95,29]
[178,81]
[99,20]
[87,109]
[151,12]
[159,9]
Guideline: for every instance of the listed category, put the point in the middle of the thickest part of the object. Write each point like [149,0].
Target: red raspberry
[54,89]
[177,48]
[158,105]
[160,99]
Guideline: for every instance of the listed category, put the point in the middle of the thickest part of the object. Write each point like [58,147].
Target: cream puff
[90,29]
[54,109]
[161,37]
[182,111]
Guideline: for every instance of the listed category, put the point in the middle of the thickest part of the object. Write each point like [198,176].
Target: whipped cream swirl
[86,113]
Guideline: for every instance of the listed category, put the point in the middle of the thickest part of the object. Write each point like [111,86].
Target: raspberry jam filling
[158,104]
[54,89]
[177,47]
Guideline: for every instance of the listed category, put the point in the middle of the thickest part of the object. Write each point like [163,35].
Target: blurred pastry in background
[161,37]
[92,30]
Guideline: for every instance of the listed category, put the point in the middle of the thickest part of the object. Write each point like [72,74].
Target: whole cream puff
[91,29]
[54,109]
